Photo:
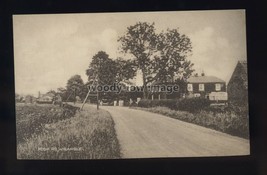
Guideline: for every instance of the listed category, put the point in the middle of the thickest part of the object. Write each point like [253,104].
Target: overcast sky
[49,49]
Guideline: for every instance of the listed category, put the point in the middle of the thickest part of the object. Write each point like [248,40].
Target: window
[201,87]
[217,87]
[190,87]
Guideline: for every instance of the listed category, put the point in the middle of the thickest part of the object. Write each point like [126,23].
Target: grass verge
[227,122]
[31,118]
[89,134]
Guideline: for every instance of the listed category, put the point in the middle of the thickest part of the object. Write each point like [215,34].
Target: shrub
[193,104]
[144,103]
[170,103]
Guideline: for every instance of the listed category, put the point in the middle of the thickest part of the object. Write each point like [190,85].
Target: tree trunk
[144,85]
[145,93]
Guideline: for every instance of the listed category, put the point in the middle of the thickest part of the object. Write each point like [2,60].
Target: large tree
[160,57]
[75,87]
[171,64]
[103,67]
[104,70]
[140,41]
[109,71]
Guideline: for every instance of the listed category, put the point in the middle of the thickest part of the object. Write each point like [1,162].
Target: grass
[227,122]
[31,118]
[88,134]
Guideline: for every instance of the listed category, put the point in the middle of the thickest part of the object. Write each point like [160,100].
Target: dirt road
[143,134]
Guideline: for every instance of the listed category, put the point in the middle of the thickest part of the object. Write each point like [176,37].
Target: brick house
[209,87]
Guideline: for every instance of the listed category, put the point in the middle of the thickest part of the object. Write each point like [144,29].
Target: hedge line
[227,122]
[230,119]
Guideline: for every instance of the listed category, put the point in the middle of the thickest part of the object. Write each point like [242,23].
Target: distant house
[209,87]
[237,87]
[46,98]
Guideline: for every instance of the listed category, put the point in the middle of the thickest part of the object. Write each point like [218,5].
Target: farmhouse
[209,87]
[45,98]
[238,85]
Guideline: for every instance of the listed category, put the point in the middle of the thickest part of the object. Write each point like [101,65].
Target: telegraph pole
[97,99]
[89,90]
[97,94]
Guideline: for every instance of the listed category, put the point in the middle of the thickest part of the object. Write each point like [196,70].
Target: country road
[143,134]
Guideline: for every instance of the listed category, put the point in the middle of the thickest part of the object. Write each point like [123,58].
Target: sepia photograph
[130,85]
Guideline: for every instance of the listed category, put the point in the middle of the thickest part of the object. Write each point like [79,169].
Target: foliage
[193,104]
[186,104]
[173,49]
[140,41]
[125,69]
[63,93]
[75,87]
[160,57]
[170,103]
[108,72]
[104,67]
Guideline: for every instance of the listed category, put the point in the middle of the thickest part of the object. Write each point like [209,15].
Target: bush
[193,104]
[144,103]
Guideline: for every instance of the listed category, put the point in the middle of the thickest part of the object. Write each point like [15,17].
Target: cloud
[106,41]
[201,40]
[111,44]
[212,53]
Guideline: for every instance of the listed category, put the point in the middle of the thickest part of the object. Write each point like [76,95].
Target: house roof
[47,95]
[204,79]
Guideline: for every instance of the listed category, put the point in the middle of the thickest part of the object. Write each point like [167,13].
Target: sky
[50,48]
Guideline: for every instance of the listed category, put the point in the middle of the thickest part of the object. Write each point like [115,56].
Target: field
[53,132]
